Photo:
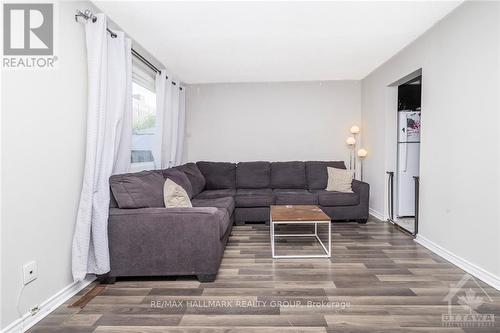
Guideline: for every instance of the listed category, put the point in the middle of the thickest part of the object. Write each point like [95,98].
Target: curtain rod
[145,61]
[88,15]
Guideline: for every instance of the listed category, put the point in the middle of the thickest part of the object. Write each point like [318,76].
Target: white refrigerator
[408,161]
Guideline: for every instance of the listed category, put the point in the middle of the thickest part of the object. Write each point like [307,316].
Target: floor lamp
[362,153]
[351,143]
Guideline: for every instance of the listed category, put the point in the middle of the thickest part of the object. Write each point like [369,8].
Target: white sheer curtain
[109,130]
[181,128]
[170,123]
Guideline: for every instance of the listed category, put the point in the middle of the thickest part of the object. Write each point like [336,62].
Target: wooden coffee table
[300,214]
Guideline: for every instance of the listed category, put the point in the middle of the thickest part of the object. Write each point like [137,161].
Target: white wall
[271,121]
[43,143]
[460,144]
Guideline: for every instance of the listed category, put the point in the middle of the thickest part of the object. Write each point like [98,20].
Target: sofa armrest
[360,187]
[164,241]
[363,190]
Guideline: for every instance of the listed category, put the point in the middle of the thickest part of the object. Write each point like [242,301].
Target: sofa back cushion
[288,175]
[138,190]
[317,176]
[195,177]
[180,178]
[218,175]
[253,175]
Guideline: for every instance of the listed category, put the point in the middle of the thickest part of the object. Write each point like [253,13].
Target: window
[143,116]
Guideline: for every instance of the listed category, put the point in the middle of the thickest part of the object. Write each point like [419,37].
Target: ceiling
[205,42]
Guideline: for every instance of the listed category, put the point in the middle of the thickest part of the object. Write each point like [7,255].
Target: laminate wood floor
[378,280]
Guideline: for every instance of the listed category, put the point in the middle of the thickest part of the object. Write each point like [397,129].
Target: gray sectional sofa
[147,239]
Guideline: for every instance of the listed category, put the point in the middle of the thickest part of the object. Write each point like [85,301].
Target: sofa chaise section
[147,239]
[168,241]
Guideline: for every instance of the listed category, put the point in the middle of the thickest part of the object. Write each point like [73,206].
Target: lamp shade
[362,153]
[350,141]
[355,129]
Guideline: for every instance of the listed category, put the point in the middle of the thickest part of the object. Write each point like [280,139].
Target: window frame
[146,78]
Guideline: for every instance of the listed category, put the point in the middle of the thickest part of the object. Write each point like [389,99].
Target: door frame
[391,148]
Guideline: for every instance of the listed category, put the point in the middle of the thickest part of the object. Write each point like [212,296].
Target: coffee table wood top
[298,213]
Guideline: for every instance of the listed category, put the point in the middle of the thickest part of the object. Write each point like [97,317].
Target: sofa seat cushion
[194,175]
[212,194]
[288,175]
[254,197]
[218,175]
[295,197]
[335,199]
[227,203]
[138,190]
[253,175]
[225,208]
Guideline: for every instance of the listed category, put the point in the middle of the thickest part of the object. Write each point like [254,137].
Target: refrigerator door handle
[403,126]
[404,155]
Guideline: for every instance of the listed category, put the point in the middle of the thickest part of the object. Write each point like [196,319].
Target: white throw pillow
[340,180]
[174,195]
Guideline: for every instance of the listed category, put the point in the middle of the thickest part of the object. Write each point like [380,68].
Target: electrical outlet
[30,272]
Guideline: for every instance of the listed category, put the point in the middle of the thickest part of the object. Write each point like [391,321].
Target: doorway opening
[408,155]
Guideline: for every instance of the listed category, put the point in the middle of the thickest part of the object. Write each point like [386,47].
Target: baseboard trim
[467,266]
[28,320]
[376,214]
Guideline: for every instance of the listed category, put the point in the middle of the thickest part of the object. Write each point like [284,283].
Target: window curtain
[170,122]
[109,136]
